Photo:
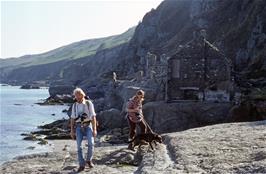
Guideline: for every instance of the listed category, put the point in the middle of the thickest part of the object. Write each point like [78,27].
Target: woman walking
[135,115]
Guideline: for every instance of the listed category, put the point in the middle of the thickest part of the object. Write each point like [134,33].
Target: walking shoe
[81,168]
[90,164]
[130,147]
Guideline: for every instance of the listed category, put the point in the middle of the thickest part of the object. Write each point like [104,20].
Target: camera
[83,117]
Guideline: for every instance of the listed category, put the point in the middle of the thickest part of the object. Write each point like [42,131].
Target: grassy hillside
[69,52]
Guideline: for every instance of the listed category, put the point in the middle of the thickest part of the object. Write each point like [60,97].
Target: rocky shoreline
[222,148]
[59,130]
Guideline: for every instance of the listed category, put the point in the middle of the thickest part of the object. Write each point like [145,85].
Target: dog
[143,139]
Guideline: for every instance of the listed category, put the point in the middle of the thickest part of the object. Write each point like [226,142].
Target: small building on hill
[198,71]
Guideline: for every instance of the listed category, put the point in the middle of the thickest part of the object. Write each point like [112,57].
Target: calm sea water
[19,114]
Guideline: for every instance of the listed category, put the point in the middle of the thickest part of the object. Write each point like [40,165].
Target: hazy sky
[30,27]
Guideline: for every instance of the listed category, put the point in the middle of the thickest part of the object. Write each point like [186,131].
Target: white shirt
[80,108]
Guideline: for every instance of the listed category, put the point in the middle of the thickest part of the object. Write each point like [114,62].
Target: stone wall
[197,65]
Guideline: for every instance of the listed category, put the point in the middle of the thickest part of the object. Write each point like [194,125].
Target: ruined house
[198,71]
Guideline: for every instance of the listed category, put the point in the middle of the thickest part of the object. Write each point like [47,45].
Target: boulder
[99,104]
[65,98]
[61,90]
[57,100]
[248,111]
[110,119]
[62,124]
[42,141]
[94,92]
[31,137]
[261,109]
[29,86]
[170,117]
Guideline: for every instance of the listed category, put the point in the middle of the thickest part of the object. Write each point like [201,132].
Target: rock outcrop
[61,89]
[59,129]
[29,86]
[110,119]
[170,117]
[58,99]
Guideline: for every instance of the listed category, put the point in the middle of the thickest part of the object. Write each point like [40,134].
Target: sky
[33,27]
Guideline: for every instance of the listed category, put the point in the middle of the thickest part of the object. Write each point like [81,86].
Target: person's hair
[80,91]
[139,92]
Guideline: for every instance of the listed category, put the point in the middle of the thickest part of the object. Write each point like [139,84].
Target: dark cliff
[237,28]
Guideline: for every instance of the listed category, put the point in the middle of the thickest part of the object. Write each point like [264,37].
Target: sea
[19,114]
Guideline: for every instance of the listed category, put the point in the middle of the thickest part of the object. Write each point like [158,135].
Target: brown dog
[143,139]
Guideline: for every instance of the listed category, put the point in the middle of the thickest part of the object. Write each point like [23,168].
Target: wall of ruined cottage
[198,67]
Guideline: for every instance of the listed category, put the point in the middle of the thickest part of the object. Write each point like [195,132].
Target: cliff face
[237,28]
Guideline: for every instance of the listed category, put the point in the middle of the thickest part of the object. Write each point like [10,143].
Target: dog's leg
[140,146]
[151,146]
[131,146]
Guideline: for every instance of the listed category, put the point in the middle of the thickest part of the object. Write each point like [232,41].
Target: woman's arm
[130,107]
[132,110]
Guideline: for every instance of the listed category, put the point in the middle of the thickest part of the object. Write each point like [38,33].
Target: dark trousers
[133,126]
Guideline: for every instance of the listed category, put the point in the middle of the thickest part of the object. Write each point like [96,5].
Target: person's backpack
[69,112]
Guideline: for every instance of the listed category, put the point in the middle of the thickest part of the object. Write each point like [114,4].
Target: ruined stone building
[198,71]
[155,66]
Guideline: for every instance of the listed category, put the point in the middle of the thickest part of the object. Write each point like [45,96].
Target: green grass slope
[69,52]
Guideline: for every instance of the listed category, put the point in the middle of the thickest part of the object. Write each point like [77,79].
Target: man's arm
[94,126]
[72,131]
[72,122]
[93,118]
